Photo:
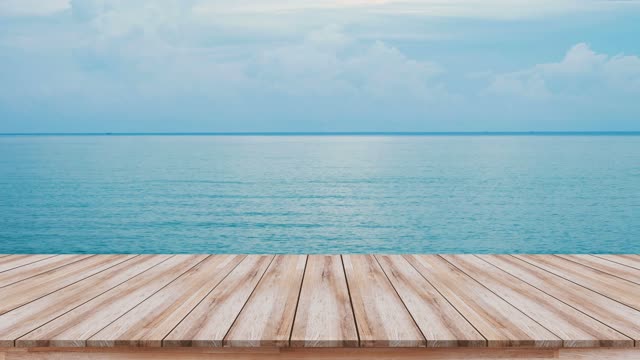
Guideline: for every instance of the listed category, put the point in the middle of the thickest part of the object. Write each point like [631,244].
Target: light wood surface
[24,319]
[380,315]
[610,286]
[118,306]
[23,272]
[324,317]
[609,267]
[616,315]
[441,324]
[14,261]
[75,327]
[574,327]
[210,321]
[24,292]
[267,317]
[499,322]
[149,322]
[628,260]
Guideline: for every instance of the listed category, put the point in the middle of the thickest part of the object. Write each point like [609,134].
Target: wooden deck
[296,306]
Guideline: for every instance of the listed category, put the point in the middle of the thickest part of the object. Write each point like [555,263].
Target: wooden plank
[210,321]
[13,261]
[608,285]
[149,322]
[267,318]
[441,324]
[500,323]
[324,317]
[75,327]
[572,326]
[38,286]
[36,268]
[610,312]
[626,259]
[611,268]
[134,301]
[24,319]
[381,317]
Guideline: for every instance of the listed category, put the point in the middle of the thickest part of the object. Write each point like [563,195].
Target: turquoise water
[319,194]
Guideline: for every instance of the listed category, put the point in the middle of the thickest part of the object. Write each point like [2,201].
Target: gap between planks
[377,296]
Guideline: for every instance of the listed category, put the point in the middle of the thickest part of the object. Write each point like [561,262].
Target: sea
[320,193]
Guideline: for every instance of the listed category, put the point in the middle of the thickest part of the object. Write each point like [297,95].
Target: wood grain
[74,328]
[37,267]
[500,323]
[610,312]
[272,303]
[210,321]
[33,315]
[611,268]
[150,321]
[441,324]
[38,286]
[267,317]
[608,285]
[381,317]
[572,326]
[14,261]
[324,317]
[627,259]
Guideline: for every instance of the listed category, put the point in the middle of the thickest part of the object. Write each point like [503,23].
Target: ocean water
[320,194]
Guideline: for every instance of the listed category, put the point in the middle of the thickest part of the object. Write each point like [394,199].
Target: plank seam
[248,298]
[524,281]
[44,272]
[426,342]
[551,272]
[505,300]
[66,312]
[486,341]
[591,267]
[201,300]
[33,262]
[353,313]
[295,312]
[145,299]
[615,262]
[64,287]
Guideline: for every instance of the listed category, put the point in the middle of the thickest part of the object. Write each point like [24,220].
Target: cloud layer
[115,65]
[581,72]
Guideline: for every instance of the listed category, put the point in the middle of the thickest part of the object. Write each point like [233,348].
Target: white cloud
[326,62]
[527,84]
[330,63]
[582,71]
[218,56]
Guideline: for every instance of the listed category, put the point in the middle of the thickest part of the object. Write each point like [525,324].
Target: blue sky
[324,65]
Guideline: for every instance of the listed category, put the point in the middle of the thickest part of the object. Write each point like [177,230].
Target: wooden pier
[319,307]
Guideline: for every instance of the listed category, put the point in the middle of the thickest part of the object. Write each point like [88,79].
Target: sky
[319,65]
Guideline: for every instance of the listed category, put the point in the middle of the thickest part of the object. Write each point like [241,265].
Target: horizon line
[325,133]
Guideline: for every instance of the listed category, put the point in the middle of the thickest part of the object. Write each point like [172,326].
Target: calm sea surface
[319,194]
